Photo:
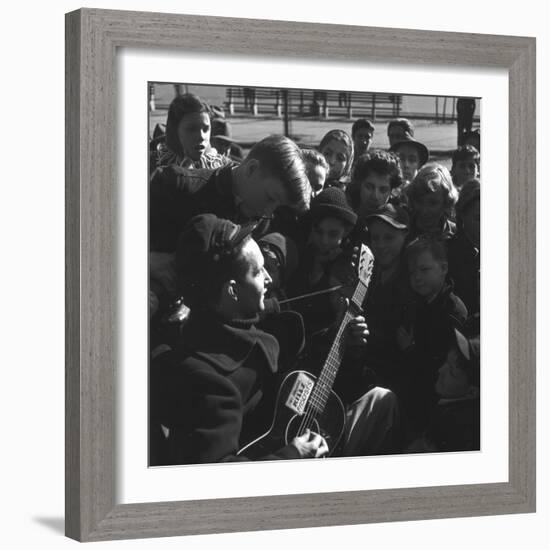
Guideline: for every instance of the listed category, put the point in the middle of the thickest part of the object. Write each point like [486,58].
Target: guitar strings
[316,401]
[335,353]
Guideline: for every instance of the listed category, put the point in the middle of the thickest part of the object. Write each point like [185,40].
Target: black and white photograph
[314,273]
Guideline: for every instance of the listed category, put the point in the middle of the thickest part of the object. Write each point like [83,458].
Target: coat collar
[228,345]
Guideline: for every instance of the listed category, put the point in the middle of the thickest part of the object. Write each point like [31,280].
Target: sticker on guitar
[299,394]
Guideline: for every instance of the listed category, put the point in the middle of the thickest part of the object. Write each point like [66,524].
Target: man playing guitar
[215,393]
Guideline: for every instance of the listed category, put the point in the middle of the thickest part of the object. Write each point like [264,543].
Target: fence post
[286,114]
[350,108]
[373,111]
[278,103]
[325,105]
[230,104]
[151,96]
[301,102]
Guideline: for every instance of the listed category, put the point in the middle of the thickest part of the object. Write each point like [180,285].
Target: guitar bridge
[299,394]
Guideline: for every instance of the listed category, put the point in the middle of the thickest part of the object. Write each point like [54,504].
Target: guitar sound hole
[297,426]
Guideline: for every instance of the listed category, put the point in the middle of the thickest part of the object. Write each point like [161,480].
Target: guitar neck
[333,361]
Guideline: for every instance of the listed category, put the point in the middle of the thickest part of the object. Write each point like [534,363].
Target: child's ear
[445,267]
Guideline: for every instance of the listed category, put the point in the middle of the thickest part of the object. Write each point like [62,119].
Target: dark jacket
[464,261]
[387,307]
[216,394]
[455,424]
[176,195]
[433,325]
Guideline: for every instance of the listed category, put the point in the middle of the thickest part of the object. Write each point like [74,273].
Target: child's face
[429,209]
[317,176]
[337,155]
[463,171]
[262,193]
[387,242]
[427,275]
[374,191]
[194,134]
[452,381]
[409,160]
[362,140]
[327,235]
[470,222]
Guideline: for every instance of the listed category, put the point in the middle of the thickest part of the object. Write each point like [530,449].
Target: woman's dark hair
[182,105]
[380,162]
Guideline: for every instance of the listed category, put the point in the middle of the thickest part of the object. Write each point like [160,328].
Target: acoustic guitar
[305,401]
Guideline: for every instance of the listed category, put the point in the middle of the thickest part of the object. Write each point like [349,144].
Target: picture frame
[92,39]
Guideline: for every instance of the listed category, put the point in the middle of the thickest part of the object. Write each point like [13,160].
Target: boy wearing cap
[412,156]
[331,220]
[272,174]
[389,293]
[325,264]
[399,129]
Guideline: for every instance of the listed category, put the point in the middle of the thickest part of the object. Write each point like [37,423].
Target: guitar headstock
[365,264]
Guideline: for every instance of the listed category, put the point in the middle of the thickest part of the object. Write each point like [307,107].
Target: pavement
[440,138]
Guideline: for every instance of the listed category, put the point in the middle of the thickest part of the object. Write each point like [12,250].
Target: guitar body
[295,410]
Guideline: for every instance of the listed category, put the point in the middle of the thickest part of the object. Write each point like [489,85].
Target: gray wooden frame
[92,39]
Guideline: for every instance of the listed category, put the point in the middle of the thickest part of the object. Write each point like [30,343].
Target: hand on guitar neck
[310,445]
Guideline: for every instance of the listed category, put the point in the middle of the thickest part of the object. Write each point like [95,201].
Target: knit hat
[396,216]
[285,249]
[332,202]
[423,153]
[206,242]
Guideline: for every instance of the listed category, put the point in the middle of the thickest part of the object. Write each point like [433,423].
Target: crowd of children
[311,210]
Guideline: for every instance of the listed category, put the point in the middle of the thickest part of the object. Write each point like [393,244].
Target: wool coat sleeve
[205,414]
